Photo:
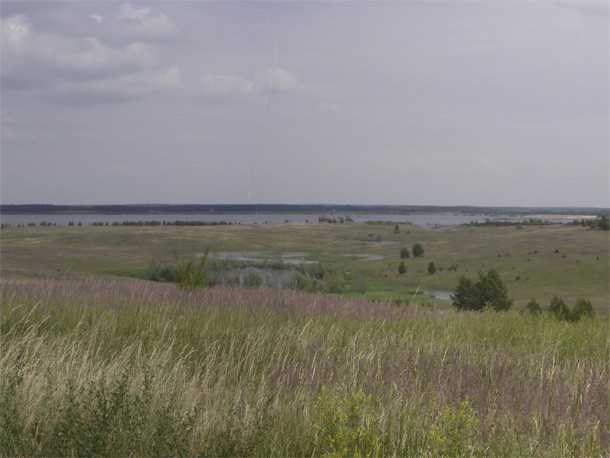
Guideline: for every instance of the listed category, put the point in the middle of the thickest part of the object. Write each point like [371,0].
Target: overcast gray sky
[407,102]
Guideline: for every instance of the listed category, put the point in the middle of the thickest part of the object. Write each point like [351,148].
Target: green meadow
[97,360]
[534,261]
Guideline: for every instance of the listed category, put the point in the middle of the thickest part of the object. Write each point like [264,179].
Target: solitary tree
[402,268]
[465,296]
[418,250]
[404,252]
[431,268]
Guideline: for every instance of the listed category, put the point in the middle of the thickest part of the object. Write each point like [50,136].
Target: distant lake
[428,220]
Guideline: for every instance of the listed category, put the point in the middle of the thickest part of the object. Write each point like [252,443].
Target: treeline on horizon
[284,208]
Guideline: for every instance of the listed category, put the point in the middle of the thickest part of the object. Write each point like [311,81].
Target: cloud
[279,80]
[15,30]
[97,18]
[327,107]
[96,60]
[216,85]
[146,22]
[66,68]
[170,77]
[114,90]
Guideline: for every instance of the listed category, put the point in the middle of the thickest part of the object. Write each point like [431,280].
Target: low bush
[186,273]
[453,432]
[319,277]
[346,427]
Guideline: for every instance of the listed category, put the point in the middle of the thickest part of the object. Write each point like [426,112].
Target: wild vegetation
[571,262]
[96,362]
[116,367]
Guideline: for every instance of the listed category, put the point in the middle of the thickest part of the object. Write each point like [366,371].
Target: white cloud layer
[147,22]
[215,85]
[474,103]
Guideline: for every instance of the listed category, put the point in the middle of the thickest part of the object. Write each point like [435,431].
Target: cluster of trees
[497,223]
[489,292]
[335,220]
[600,222]
[486,292]
[561,311]
[418,251]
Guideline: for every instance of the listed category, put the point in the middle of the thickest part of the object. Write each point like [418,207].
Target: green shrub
[402,268]
[559,310]
[346,427]
[327,278]
[418,250]
[188,274]
[582,309]
[431,268]
[452,434]
[253,280]
[404,252]
[533,307]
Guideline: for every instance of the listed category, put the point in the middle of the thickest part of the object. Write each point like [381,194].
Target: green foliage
[418,250]
[431,268]
[103,417]
[488,292]
[346,427]
[188,274]
[453,432]
[361,284]
[562,312]
[115,368]
[11,427]
[533,307]
[582,309]
[253,280]
[320,277]
[404,252]
[402,268]
[559,309]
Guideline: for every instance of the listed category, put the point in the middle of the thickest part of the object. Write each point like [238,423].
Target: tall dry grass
[96,366]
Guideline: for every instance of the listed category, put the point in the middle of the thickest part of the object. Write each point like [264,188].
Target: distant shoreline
[152,209]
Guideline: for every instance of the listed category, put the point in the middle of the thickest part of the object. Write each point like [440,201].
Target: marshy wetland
[98,359]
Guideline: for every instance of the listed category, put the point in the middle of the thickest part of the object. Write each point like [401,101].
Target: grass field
[95,360]
[118,367]
[534,262]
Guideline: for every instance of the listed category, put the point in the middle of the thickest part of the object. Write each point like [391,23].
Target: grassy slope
[579,269]
[116,367]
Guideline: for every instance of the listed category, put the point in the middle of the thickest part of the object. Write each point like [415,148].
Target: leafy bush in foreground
[346,427]
[453,432]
